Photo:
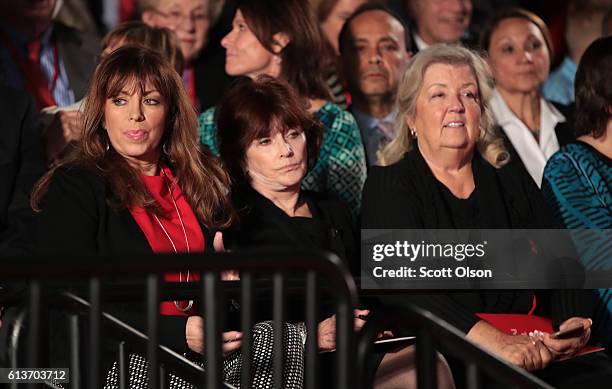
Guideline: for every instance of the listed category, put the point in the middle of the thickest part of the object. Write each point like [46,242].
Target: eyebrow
[386,38]
[145,93]
[445,86]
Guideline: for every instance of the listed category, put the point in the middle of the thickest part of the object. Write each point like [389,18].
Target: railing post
[278,345]
[153,329]
[212,324]
[312,327]
[75,351]
[426,361]
[95,318]
[246,320]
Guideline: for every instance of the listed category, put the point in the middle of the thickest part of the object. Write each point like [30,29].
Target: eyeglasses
[176,17]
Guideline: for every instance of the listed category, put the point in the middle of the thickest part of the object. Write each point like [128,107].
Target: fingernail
[531,333]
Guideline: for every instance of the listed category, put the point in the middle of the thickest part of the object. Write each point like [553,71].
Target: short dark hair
[593,89]
[343,38]
[250,109]
[301,59]
[510,13]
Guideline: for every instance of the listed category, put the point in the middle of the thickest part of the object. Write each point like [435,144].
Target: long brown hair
[203,181]
[301,58]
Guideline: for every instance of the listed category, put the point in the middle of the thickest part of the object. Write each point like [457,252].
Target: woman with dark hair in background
[520,50]
[138,181]
[281,39]
[578,178]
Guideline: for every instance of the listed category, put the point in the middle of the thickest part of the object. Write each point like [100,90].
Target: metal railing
[315,267]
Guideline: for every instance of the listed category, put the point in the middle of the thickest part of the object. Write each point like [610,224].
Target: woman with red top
[138,182]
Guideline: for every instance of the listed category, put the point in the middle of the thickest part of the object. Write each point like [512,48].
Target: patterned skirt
[262,371]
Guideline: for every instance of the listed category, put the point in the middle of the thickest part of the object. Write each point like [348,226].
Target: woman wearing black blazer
[448,169]
[268,141]
[138,182]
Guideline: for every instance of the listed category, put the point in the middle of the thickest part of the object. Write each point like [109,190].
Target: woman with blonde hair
[448,169]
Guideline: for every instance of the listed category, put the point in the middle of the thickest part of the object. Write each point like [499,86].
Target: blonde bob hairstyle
[489,143]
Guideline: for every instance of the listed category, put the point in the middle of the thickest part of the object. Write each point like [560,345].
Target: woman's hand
[563,348]
[520,350]
[227,275]
[327,329]
[194,330]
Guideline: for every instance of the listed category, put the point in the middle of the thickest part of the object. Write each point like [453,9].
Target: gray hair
[490,144]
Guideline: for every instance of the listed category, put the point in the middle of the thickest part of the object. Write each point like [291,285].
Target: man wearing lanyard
[51,61]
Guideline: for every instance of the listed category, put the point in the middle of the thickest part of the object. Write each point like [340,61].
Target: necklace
[176,303]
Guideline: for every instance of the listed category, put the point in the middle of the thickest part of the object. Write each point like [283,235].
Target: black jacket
[21,164]
[407,195]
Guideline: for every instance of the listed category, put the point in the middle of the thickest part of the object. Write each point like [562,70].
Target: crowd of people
[205,125]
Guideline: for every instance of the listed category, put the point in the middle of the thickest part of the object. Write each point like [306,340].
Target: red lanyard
[25,66]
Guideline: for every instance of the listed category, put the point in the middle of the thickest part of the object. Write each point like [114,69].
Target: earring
[413,133]
[165,149]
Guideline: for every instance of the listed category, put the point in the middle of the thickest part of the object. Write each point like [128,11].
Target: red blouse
[165,232]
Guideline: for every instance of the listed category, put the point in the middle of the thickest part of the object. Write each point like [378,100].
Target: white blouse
[533,155]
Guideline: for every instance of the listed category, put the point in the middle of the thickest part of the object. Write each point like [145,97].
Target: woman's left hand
[327,329]
[562,348]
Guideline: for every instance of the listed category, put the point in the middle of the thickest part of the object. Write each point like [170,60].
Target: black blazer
[76,218]
[21,164]
[407,195]
[263,224]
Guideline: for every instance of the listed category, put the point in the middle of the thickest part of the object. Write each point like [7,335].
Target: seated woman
[268,141]
[578,178]
[281,39]
[449,169]
[138,181]
[520,51]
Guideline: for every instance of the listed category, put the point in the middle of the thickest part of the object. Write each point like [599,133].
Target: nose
[225,42]
[374,56]
[456,104]
[458,6]
[136,113]
[285,149]
[528,56]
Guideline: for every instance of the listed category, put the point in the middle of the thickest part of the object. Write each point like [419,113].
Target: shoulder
[573,156]
[65,34]
[333,116]
[207,117]
[76,178]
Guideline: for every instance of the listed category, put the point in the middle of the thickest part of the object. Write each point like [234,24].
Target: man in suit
[439,21]
[21,164]
[375,49]
[50,60]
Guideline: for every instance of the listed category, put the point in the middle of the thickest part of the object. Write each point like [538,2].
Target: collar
[568,68]
[368,123]
[420,43]
[533,154]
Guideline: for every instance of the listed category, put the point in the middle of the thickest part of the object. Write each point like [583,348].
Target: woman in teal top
[281,39]
[578,178]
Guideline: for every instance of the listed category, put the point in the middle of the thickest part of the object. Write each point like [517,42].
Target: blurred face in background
[332,25]
[245,55]
[189,19]
[441,20]
[518,56]
[376,56]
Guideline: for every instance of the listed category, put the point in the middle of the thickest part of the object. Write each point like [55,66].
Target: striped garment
[341,168]
[578,186]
